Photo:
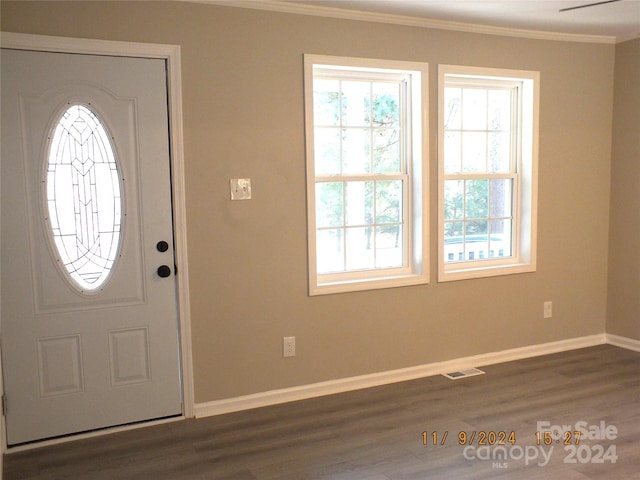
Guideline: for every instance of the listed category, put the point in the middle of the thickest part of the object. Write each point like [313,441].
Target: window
[83,197]
[487,164]
[366,182]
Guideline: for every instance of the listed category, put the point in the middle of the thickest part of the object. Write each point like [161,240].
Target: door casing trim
[171,54]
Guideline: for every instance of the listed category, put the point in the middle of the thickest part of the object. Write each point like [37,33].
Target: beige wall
[623,317]
[243,117]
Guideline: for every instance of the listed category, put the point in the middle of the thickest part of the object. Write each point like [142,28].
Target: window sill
[451,274]
[368,284]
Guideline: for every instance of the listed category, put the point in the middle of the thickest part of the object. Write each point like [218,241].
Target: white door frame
[170,53]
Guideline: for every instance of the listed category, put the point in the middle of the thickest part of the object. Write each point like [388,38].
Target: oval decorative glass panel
[83,197]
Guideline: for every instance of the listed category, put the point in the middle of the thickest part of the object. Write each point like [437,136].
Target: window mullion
[486,131]
[480,176]
[341,125]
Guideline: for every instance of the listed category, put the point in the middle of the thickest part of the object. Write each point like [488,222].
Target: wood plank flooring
[377,433]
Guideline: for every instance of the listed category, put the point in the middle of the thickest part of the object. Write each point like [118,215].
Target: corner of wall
[2,424]
[623,282]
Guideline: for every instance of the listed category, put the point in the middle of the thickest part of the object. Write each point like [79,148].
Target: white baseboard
[623,342]
[273,397]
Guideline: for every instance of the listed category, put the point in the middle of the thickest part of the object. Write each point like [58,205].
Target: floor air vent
[463,373]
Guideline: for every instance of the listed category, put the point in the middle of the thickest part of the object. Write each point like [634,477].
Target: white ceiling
[616,21]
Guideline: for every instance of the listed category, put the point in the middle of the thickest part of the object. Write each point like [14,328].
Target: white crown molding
[406,20]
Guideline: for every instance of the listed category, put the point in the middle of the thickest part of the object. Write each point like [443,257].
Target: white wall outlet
[548,309]
[240,188]
[289,346]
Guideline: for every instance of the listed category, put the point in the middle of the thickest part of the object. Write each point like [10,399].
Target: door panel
[127,282]
[77,361]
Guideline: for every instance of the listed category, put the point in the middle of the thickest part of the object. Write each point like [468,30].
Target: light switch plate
[240,189]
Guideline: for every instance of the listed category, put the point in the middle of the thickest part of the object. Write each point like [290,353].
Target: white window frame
[416,213]
[525,173]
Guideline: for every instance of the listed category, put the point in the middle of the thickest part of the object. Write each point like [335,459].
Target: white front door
[89,320]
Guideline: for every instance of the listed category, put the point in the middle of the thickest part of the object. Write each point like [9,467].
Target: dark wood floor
[377,433]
